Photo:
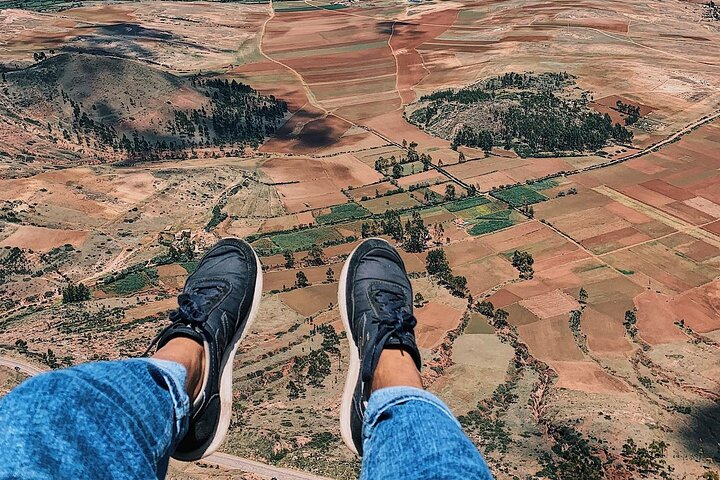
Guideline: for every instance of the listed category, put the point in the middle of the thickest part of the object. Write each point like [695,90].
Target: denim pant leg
[103,420]
[410,434]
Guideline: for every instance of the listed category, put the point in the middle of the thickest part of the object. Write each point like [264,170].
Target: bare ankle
[396,368]
[191,355]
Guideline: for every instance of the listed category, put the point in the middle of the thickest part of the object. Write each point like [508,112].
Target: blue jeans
[122,419]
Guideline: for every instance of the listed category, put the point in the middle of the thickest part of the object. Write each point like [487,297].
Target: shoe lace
[191,310]
[395,318]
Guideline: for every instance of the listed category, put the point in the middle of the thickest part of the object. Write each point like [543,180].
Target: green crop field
[544,185]
[480,211]
[492,222]
[488,226]
[339,213]
[466,203]
[133,282]
[519,196]
[304,239]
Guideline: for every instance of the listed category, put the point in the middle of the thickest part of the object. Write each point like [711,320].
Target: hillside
[533,114]
[111,107]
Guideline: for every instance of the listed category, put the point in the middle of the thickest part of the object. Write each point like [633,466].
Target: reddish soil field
[605,334]
[550,340]
[656,319]
[667,189]
[315,134]
[405,38]
[434,319]
[705,206]
[286,278]
[611,101]
[317,182]
[309,300]
[700,308]
[502,298]
[485,273]
[550,304]
[43,239]
[587,377]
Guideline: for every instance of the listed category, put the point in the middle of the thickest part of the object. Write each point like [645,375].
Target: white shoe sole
[354,369]
[226,377]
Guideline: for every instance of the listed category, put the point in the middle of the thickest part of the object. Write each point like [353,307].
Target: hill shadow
[701,435]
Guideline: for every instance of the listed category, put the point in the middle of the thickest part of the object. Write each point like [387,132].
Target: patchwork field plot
[603,327]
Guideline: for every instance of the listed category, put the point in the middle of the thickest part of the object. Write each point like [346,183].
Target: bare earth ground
[642,231]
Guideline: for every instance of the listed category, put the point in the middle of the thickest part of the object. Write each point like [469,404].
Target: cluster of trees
[235,115]
[527,112]
[713,10]
[75,293]
[393,165]
[632,112]
[301,280]
[437,266]
[647,461]
[312,369]
[14,262]
[630,323]
[545,122]
[523,262]
[413,235]
[469,137]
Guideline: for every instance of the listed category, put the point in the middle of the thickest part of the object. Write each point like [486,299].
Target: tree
[500,318]
[449,191]
[330,275]
[419,300]
[461,157]
[397,170]
[301,280]
[437,264]
[583,296]
[295,390]
[457,285]
[523,262]
[416,233]
[575,316]
[630,323]
[315,255]
[75,293]
[289,259]
[392,225]
[485,308]
[22,346]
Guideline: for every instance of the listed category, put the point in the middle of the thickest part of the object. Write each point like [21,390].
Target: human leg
[98,420]
[401,430]
[191,372]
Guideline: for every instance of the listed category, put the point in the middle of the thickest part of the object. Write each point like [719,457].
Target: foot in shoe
[218,304]
[375,299]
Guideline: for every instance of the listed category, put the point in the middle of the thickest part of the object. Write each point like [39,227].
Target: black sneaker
[375,299]
[218,304]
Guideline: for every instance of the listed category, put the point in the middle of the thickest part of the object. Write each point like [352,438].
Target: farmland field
[562,155]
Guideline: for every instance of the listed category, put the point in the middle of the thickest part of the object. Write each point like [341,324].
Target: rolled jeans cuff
[174,376]
[385,398]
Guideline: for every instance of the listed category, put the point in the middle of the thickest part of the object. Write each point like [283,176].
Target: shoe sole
[226,394]
[354,369]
